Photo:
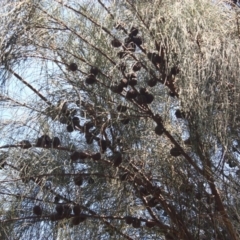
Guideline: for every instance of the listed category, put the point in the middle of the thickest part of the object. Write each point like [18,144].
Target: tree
[120,120]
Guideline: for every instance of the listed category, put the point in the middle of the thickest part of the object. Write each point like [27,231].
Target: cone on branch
[117,159]
[94,71]
[129,220]
[76,209]
[131,94]
[121,108]
[150,223]
[56,142]
[175,152]
[73,67]
[37,210]
[136,223]
[25,144]
[90,79]
[70,128]
[44,141]
[117,88]
[59,209]
[133,32]
[79,156]
[116,43]
[137,66]
[103,145]
[152,82]
[96,156]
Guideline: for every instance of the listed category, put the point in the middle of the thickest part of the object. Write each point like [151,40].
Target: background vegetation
[119,119]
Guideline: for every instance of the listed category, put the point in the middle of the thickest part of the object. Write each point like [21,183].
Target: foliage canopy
[119,119]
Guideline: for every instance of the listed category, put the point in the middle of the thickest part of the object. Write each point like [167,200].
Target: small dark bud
[136,223]
[131,94]
[115,43]
[175,152]
[70,128]
[129,220]
[76,209]
[78,155]
[137,66]
[137,40]
[73,67]
[153,202]
[103,145]
[59,209]
[37,210]
[78,180]
[94,71]
[130,47]
[117,159]
[152,82]
[91,79]
[25,144]
[96,156]
[150,224]
[149,98]
[56,142]
[133,82]
[117,88]
[121,54]
[159,130]
[90,180]
[141,99]
[179,114]
[124,82]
